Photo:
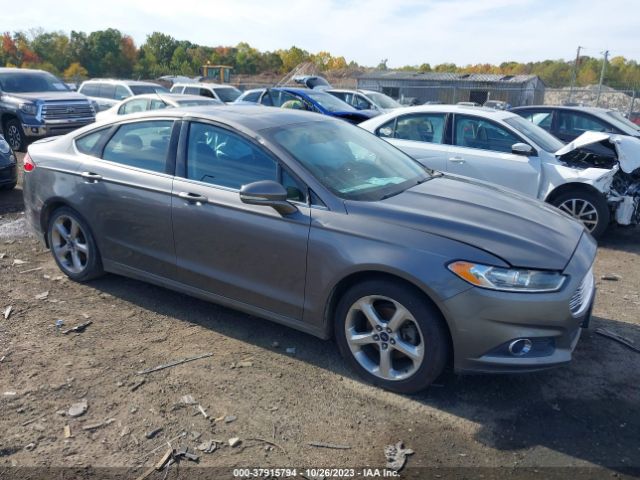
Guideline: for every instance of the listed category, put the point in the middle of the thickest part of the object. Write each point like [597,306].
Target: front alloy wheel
[384,338]
[392,335]
[588,207]
[14,135]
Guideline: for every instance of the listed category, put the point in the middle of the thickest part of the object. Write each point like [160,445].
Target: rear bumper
[485,322]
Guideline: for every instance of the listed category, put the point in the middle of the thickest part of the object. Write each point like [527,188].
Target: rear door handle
[193,197]
[456,159]
[92,177]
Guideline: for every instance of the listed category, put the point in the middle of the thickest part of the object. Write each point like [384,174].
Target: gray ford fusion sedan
[317,224]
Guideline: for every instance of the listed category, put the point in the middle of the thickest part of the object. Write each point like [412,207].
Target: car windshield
[195,103]
[142,89]
[624,121]
[539,136]
[227,94]
[329,102]
[382,100]
[23,82]
[349,161]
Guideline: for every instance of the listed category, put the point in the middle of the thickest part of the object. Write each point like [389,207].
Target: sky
[405,32]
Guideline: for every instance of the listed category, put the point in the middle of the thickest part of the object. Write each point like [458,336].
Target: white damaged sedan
[595,178]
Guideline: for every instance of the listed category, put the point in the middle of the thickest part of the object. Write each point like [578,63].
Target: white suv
[224,93]
[105,93]
[503,148]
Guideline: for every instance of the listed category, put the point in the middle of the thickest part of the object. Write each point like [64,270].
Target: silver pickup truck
[36,104]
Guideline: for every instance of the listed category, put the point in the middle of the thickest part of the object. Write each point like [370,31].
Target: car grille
[66,110]
[582,297]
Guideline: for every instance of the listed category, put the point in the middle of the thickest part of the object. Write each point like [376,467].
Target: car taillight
[29,165]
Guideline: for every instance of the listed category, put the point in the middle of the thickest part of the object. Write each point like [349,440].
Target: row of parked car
[594,179]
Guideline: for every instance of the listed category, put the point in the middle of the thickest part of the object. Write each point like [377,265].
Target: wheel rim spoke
[385,366]
[361,338]
[74,230]
[366,307]
[82,247]
[398,318]
[77,261]
[414,352]
[62,230]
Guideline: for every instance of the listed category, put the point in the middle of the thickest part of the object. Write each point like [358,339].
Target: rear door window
[420,127]
[576,123]
[176,89]
[475,132]
[141,144]
[541,118]
[192,90]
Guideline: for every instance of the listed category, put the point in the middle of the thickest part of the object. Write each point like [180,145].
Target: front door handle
[91,177]
[193,197]
[456,159]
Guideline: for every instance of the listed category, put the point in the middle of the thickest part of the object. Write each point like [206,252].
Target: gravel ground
[584,415]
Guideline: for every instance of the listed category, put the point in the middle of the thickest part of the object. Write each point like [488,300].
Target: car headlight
[507,279]
[29,108]
[4,146]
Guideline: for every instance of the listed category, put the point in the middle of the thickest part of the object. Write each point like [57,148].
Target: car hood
[627,148]
[48,96]
[523,232]
[355,116]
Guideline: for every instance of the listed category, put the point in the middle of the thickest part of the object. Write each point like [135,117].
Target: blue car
[306,99]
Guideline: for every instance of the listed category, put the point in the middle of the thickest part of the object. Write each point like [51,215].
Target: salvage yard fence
[625,101]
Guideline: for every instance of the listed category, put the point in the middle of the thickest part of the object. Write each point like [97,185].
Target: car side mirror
[269,194]
[522,149]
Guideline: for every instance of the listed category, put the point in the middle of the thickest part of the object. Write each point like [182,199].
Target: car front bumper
[53,128]
[485,322]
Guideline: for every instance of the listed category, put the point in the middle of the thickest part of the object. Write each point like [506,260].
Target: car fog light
[520,347]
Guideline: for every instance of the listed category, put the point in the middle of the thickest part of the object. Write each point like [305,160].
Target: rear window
[141,89]
[89,89]
[227,94]
[88,144]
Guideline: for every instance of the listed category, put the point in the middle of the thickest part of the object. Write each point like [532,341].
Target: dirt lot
[584,415]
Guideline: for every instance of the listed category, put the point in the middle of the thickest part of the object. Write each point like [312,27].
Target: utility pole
[604,68]
[575,74]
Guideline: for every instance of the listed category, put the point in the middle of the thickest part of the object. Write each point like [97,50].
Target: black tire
[429,320]
[15,136]
[596,199]
[93,267]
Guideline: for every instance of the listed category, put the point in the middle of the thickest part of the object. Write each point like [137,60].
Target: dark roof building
[455,87]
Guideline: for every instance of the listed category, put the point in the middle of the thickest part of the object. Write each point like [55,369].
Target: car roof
[170,97]
[125,82]
[201,84]
[483,111]
[248,116]
[21,70]
[566,107]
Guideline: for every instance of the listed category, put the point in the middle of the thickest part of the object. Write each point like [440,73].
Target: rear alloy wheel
[15,136]
[72,246]
[590,208]
[392,336]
